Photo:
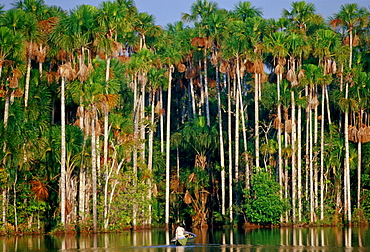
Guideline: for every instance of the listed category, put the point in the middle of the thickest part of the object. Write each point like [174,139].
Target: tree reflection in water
[278,239]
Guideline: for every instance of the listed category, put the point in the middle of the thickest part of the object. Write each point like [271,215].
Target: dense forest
[109,121]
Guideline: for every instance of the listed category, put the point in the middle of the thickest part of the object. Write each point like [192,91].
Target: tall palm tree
[276,44]
[350,17]
[171,56]
[200,11]
[11,48]
[34,11]
[326,43]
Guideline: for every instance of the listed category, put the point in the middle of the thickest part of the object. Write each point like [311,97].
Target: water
[240,240]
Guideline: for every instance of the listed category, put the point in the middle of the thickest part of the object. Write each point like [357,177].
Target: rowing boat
[189,238]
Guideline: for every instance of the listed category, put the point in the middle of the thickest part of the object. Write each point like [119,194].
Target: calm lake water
[258,240]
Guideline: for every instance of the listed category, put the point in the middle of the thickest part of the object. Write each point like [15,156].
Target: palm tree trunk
[168,131]
[294,171]
[310,143]
[316,179]
[347,183]
[247,169]
[280,156]
[192,98]
[237,118]
[322,154]
[299,163]
[161,119]
[93,171]
[63,156]
[15,199]
[206,88]
[28,76]
[222,151]
[150,158]
[230,148]
[201,102]
[256,119]
[359,151]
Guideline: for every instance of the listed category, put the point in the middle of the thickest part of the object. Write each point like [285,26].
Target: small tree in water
[262,202]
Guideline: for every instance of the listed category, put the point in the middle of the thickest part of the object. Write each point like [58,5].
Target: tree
[263,203]
[350,17]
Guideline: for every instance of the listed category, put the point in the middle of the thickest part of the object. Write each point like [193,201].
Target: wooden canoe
[189,238]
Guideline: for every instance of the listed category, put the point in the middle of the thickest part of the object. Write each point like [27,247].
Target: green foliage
[262,203]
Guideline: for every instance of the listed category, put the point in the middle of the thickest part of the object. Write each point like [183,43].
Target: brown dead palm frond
[16,75]
[290,75]
[279,69]
[18,93]
[187,198]
[110,100]
[224,67]
[192,177]
[83,73]
[39,189]
[301,74]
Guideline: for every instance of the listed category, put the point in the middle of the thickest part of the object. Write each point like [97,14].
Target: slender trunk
[193,98]
[206,88]
[247,169]
[316,179]
[168,131]
[161,119]
[136,139]
[94,173]
[15,200]
[142,116]
[280,155]
[312,212]
[28,76]
[347,183]
[237,118]
[230,149]
[106,116]
[322,154]
[63,156]
[299,163]
[359,151]
[307,150]
[222,151]
[150,158]
[256,119]
[294,171]
[201,102]
[4,203]
[328,105]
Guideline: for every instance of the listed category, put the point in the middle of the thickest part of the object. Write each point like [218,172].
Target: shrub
[262,202]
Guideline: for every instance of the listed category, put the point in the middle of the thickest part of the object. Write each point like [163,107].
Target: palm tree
[171,56]
[200,11]
[10,49]
[301,15]
[350,17]
[276,44]
[34,12]
[326,43]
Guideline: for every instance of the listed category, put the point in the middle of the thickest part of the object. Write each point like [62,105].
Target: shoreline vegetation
[110,122]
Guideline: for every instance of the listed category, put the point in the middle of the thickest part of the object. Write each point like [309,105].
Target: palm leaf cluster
[110,121]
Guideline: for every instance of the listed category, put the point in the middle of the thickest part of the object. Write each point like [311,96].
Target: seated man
[180,231]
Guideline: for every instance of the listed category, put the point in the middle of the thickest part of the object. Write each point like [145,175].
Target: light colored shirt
[180,233]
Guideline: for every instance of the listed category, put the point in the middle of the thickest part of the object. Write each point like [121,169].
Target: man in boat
[180,232]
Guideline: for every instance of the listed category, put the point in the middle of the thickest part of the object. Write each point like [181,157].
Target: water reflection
[239,240]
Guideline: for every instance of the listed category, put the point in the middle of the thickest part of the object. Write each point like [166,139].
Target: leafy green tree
[263,204]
